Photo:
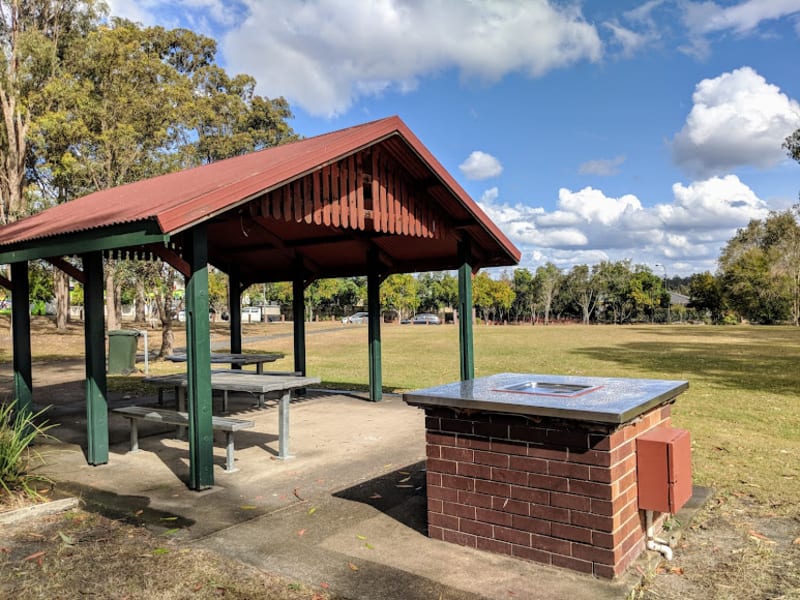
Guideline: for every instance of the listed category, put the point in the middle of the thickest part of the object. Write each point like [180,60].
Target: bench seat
[181,419]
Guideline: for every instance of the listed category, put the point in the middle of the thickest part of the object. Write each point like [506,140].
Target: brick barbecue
[541,467]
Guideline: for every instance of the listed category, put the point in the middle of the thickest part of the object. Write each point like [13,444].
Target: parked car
[426,319]
[359,317]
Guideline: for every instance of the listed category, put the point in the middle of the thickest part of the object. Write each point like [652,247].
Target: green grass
[742,406]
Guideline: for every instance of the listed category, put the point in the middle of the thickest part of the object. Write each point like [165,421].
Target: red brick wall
[557,492]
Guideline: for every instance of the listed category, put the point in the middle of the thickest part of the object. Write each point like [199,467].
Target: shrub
[18,429]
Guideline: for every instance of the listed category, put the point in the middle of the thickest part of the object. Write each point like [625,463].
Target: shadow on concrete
[400,494]
[135,510]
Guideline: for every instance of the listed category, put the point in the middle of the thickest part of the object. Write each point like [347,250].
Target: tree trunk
[165,310]
[111,305]
[61,286]
[141,302]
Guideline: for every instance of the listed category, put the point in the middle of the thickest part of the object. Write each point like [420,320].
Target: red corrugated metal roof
[177,201]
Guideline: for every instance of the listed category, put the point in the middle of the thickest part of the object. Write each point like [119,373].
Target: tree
[549,280]
[482,296]
[133,102]
[584,287]
[34,35]
[705,296]
[760,269]
[614,280]
[647,292]
[400,292]
[525,293]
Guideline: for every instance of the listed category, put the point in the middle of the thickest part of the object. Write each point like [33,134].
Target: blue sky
[587,131]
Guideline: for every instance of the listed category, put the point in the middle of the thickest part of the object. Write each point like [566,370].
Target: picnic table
[235,360]
[242,381]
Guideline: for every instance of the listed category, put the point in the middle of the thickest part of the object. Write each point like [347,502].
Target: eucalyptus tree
[34,37]
[549,281]
[400,292]
[133,102]
[583,285]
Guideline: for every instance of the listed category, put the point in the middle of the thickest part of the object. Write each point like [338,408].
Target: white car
[359,317]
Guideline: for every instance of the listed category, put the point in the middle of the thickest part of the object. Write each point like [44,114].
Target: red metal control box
[664,469]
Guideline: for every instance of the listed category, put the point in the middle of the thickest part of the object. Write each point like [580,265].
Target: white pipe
[652,542]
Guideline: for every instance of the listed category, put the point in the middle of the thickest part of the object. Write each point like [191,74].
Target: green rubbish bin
[122,345]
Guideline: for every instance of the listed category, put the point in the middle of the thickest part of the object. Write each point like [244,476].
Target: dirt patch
[733,549]
[78,554]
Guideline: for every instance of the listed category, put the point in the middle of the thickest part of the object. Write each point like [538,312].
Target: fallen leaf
[660,570]
[198,587]
[676,570]
[312,510]
[405,479]
[171,531]
[324,585]
[375,497]
[404,473]
[401,485]
[361,537]
[369,546]
[248,507]
[301,532]
[352,567]
[796,541]
[296,495]
[65,538]
[138,512]
[34,556]
[759,536]
[160,551]
[169,518]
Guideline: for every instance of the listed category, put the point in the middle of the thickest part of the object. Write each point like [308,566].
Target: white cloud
[588,226]
[480,165]
[704,18]
[601,166]
[325,54]
[628,40]
[738,119]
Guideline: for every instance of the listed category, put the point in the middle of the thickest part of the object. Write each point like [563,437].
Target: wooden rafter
[172,258]
[68,268]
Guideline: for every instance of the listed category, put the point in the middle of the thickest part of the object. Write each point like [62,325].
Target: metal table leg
[283,425]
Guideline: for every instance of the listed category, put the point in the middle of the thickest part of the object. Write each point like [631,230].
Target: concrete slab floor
[348,511]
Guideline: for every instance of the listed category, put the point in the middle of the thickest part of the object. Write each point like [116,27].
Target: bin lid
[132,332]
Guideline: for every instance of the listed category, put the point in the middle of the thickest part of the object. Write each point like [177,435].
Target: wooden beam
[172,258]
[68,268]
[106,238]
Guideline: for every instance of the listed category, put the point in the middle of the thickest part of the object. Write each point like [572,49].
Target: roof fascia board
[106,238]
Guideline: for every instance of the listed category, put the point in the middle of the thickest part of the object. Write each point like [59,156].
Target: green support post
[21,341]
[465,337]
[374,332]
[198,351]
[299,314]
[95,342]
[235,312]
